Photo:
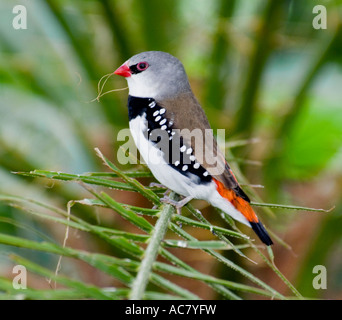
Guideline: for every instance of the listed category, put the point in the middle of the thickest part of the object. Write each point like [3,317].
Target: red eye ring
[143,65]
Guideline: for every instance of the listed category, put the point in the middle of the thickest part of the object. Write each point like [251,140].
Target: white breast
[162,171]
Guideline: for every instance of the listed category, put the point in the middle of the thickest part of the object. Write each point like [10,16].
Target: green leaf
[125,213]
[87,290]
[215,245]
[231,285]
[148,194]
[77,177]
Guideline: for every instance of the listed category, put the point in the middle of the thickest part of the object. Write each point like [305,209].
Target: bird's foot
[177,204]
[158,185]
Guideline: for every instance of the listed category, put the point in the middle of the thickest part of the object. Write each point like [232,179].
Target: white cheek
[140,86]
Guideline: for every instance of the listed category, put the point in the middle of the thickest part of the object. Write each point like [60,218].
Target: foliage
[141,267]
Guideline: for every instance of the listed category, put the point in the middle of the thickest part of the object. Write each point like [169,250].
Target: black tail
[260,230]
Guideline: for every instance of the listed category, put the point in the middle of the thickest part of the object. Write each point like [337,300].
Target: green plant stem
[271,263]
[134,183]
[228,263]
[117,28]
[141,281]
[225,292]
[290,207]
[216,89]
[262,48]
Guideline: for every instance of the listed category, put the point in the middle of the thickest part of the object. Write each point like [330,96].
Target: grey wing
[188,116]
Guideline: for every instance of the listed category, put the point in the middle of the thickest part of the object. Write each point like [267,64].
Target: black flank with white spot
[180,156]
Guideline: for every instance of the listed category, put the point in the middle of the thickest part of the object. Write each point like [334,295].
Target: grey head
[156,74]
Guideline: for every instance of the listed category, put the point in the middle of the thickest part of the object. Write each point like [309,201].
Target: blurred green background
[259,69]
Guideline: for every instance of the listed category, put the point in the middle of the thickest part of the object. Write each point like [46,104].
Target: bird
[164,119]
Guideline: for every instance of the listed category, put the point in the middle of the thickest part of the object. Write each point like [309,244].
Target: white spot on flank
[205,173]
[192,158]
[155,113]
[164,127]
[184,168]
[162,122]
[152,104]
[162,111]
[183,148]
[173,133]
[157,119]
[189,151]
[177,163]
[196,165]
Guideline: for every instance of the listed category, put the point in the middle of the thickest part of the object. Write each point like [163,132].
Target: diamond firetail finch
[163,110]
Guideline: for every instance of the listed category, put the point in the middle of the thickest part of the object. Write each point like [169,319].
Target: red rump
[240,204]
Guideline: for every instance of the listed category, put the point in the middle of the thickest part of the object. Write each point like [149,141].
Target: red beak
[123,71]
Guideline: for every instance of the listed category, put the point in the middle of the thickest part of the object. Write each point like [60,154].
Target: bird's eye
[141,66]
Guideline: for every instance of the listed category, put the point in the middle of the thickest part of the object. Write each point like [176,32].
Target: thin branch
[145,268]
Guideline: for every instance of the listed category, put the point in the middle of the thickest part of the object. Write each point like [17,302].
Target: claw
[177,204]
[159,185]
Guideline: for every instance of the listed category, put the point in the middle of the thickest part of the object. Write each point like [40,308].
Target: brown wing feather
[186,113]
